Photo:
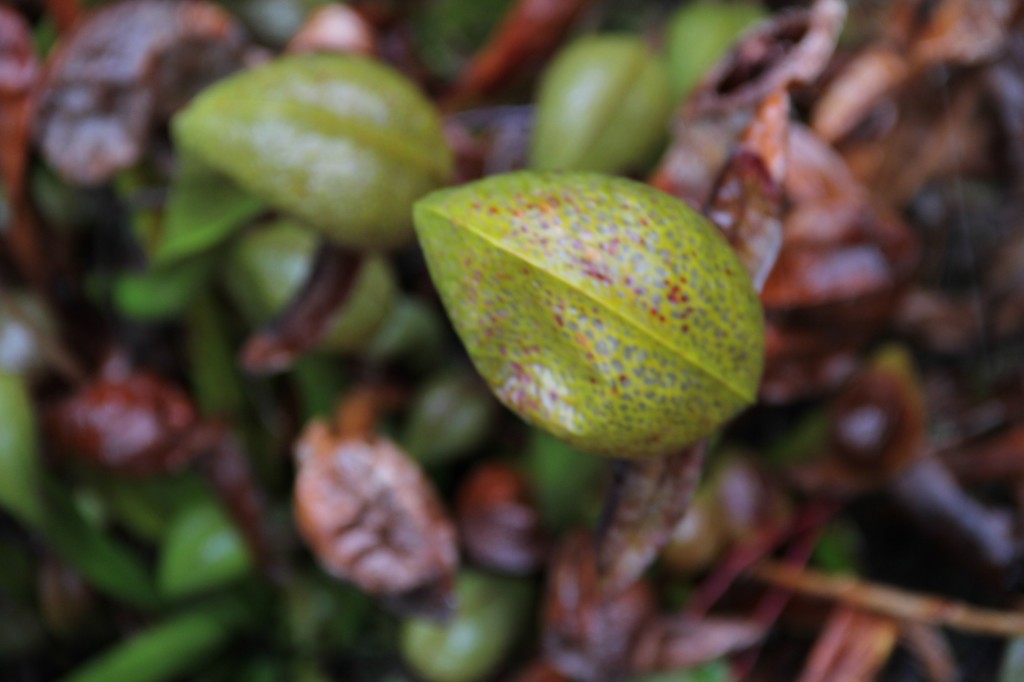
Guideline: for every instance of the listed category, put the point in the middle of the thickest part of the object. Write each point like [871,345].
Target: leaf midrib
[689,359]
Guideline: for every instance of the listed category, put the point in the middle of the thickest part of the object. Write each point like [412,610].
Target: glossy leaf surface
[343,142]
[598,308]
[597,89]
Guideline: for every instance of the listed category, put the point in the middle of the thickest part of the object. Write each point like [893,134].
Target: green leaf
[491,615]
[20,471]
[202,550]
[211,359]
[342,142]
[717,671]
[163,292]
[451,414]
[604,105]
[700,33]
[600,309]
[167,650]
[107,564]
[568,482]
[203,209]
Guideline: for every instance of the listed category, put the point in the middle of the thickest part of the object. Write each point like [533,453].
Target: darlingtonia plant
[598,308]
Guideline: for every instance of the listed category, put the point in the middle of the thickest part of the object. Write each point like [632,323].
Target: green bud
[492,613]
[604,106]
[700,33]
[451,415]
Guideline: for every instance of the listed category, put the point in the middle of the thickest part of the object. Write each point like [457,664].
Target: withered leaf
[747,203]
[136,423]
[793,48]
[499,523]
[371,516]
[124,69]
[685,641]
[335,28]
[529,32]
[588,631]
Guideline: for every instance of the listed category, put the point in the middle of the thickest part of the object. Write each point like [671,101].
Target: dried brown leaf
[335,28]
[530,31]
[747,202]
[957,31]
[137,424]
[647,501]
[853,94]
[588,631]
[371,516]
[791,49]
[499,523]
[685,641]
[124,69]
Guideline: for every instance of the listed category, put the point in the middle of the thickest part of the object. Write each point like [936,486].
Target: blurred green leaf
[718,671]
[838,549]
[20,470]
[451,414]
[211,357]
[567,481]
[203,209]
[1012,668]
[163,292]
[202,550]
[320,381]
[166,650]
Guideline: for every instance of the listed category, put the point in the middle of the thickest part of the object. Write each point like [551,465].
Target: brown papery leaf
[530,31]
[498,520]
[588,631]
[303,323]
[335,28]
[852,95]
[137,424]
[126,68]
[791,49]
[957,31]
[372,517]
[685,641]
[747,203]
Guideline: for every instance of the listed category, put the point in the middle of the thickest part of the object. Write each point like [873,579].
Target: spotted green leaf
[343,142]
[598,308]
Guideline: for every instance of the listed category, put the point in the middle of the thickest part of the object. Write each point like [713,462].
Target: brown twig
[891,601]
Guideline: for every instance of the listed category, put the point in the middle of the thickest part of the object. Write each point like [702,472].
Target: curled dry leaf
[685,641]
[335,28]
[791,49]
[941,323]
[136,423]
[530,31]
[1004,287]
[498,521]
[306,320]
[588,633]
[747,202]
[126,68]
[990,460]
[371,516]
[539,671]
